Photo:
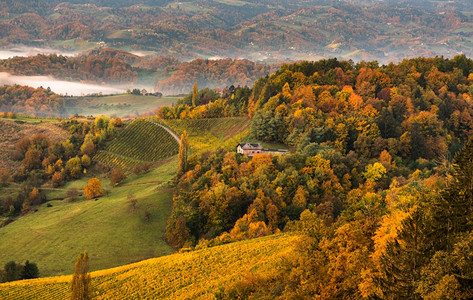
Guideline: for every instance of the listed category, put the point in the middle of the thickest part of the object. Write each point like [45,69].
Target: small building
[251,149]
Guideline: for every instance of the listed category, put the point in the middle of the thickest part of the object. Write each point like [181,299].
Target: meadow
[107,228]
[190,275]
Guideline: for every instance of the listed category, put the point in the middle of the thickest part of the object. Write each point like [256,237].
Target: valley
[236,149]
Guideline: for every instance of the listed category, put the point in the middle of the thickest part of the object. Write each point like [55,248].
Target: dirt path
[175,136]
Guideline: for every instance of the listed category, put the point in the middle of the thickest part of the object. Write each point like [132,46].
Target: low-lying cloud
[58,86]
[24,51]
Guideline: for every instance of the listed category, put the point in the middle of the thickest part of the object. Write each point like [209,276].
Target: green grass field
[191,275]
[118,105]
[53,236]
[209,134]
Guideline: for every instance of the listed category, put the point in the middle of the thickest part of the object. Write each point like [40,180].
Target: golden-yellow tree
[81,289]
[195,93]
[93,188]
[183,147]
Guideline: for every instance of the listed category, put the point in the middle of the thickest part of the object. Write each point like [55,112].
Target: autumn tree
[195,93]
[117,175]
[5,176]
[85,160]
[81,281]
[182,157]
[74,167]
[32,159]
[93,188]
[177,232]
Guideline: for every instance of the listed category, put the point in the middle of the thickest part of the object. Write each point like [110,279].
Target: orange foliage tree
[93,188]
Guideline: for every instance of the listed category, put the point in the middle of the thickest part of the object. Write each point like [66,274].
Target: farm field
[190,275]
[53,236]
[207,134]
[141,141]
[118,105]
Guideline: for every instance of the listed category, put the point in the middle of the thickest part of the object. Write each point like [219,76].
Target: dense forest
[258,30]
[378,179]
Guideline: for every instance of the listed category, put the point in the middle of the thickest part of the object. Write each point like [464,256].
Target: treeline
[418,108]
[37,102]
[212,74]
[13,271]
[119,67]
[87,68]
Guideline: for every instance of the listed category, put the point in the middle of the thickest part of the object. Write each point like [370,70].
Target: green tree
[74,167]
[404,258]
[29,271]
[81,287]
[11,271]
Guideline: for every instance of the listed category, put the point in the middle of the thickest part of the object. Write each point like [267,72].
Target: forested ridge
[164,74]
[377,179]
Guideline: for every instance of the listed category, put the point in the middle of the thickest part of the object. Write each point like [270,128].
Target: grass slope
[141,141]
[191,275]
[53,236]
[208,134]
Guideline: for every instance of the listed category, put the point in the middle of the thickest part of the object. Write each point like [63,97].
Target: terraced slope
[191,275]
[141,141]
[208,134]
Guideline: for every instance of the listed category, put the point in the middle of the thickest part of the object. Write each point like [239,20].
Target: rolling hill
[192,275]
[259,30]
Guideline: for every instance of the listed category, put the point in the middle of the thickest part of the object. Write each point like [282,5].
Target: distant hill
[271,30]
[190,275]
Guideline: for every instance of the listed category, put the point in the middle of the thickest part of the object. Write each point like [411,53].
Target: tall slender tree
[195,93]
[81,289]
[183,147]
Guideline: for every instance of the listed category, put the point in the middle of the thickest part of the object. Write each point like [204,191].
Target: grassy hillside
[141,141]
[119,105]
[208,134]
[191,275]
[112,234]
